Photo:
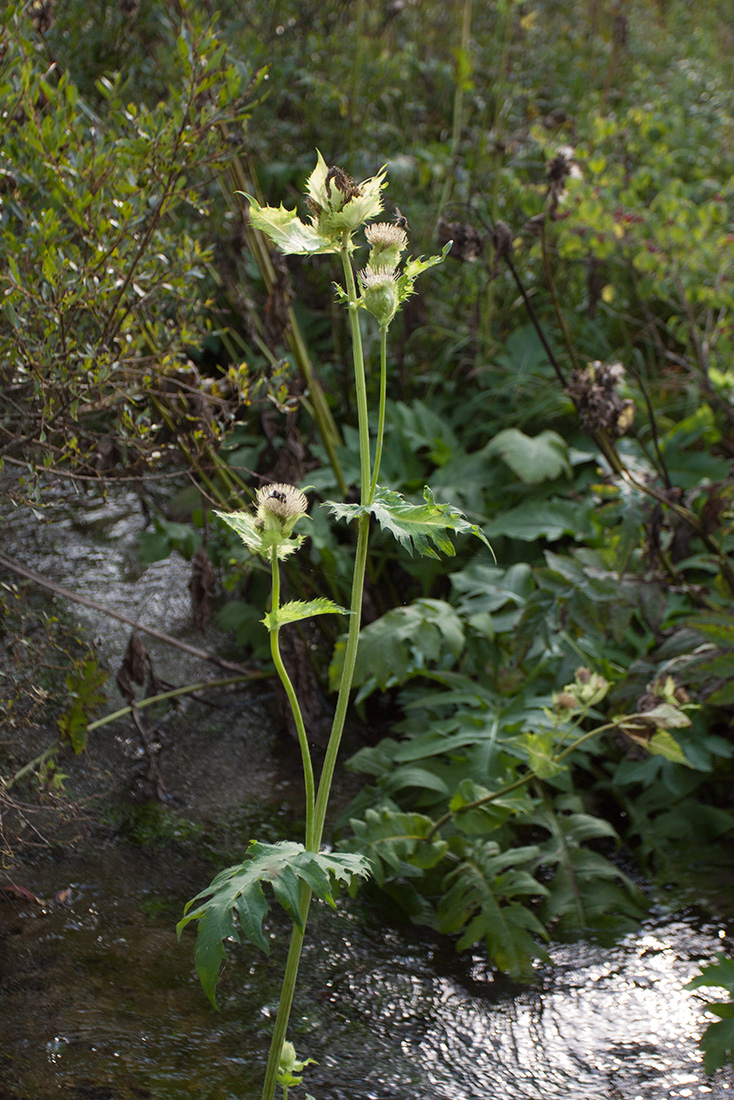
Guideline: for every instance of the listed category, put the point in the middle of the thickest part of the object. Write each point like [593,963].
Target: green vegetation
[564,379]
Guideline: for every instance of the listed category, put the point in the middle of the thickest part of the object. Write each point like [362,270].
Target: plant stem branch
[381,414]
[295,707]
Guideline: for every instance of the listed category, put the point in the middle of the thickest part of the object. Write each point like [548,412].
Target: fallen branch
[59,590]
[188,689]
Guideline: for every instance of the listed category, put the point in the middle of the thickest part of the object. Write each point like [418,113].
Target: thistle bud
[387,242]
[564,703]
[279,507]
[380,293]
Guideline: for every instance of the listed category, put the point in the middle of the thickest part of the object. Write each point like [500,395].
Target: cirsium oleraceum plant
[234,903]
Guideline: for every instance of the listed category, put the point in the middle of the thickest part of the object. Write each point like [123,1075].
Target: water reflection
[603,1023]
[98,1000]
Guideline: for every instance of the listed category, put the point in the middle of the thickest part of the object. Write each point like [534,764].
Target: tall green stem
[286,996]
[360,562]
[381,414]
[360,383]
[293,700]
[327,773]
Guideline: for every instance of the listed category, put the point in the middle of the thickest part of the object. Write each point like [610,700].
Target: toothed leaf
[235,900]
[256,539]
[300,609]
[286,230]
[415,526]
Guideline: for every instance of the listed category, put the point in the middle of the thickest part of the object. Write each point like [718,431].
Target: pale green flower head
[279,507]
[387,242]
[380,293]
[337,203]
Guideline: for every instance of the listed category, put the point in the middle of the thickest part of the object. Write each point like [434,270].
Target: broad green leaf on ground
[717,1041]
[586,886]
[540,747]
[488,816]
[666,716]
[415,526]
[534,459]
[235,900]
[715,625]
[396,842]
[300,609]
[550,519]
[477,904]
[486,588]
[664,744]
[402,642]
[719,973]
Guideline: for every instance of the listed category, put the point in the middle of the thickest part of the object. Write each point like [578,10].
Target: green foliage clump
[103,263]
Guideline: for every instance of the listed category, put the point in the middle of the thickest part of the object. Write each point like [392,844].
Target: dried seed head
[282,502]
[561,167]
[599,406]
[42,14]
[342,182]
[338,204]
[502,240]
[467,242]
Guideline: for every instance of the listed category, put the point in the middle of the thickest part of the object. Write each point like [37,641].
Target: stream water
[98,1001]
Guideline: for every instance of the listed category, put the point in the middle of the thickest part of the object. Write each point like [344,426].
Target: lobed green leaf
[301,609]
[235,900]
[415,526]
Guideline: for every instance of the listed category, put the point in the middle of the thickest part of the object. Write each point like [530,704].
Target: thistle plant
[234,902]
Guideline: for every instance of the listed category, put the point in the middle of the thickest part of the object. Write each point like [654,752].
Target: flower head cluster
[380,293]
[337,205]
[387,242]
[382,288]
[588,689]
